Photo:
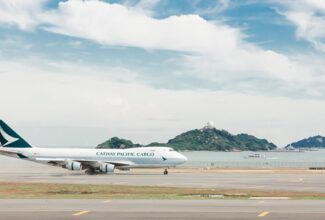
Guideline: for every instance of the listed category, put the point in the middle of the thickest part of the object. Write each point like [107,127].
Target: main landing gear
[90,171]
[165,172]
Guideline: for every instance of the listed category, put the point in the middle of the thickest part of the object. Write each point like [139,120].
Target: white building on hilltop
[210,125]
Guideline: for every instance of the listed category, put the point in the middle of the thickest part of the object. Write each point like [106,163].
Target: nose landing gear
[165,172]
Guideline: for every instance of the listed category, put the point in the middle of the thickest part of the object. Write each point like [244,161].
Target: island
[308,143]
[206,139]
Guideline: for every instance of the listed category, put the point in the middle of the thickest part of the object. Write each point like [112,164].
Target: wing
[85,163]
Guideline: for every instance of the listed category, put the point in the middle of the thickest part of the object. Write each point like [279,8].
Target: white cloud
[309,18]
[81,108]
[114,24]
[218,52]
[23,13]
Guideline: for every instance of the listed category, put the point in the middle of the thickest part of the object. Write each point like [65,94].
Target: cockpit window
[171,150]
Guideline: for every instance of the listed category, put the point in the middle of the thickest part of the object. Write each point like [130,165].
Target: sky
[75,73]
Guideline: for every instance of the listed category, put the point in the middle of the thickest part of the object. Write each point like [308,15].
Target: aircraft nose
[183,158]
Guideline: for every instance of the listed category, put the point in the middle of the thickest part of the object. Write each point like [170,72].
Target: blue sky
[259,21]
[149,69]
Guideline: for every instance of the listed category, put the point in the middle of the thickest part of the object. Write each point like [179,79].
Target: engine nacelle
[73,165]
[106,168]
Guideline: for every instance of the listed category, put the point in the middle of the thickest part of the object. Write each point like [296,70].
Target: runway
[160,209]
[164,209]
[304,182]
[13,170]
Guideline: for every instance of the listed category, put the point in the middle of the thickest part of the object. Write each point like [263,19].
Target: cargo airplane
[91,160]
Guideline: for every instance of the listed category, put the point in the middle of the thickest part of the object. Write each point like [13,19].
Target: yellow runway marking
[263,214]
[80,213]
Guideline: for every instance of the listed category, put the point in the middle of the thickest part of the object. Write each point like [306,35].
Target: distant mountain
[207,138]
[213,139]
[117,143]
[311,142]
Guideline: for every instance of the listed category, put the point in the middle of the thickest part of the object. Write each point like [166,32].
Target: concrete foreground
[160,209]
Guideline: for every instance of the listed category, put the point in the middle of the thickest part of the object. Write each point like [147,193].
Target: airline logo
[6,139]
[125,154]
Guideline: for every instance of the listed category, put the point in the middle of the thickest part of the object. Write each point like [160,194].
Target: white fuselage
[144,157]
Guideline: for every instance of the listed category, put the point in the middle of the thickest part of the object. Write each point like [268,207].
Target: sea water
[267,159]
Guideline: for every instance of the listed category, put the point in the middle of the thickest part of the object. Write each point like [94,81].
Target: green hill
[208,138]
[311,142]
[117,143]
[218,140]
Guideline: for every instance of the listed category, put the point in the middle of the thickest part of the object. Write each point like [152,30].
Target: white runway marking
[107,201]
[255,187]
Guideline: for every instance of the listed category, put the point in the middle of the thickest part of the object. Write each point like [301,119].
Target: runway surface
[160,209]
[13,170]
[164,209]
[305,182]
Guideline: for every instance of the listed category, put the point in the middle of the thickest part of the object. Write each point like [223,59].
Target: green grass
[87,191]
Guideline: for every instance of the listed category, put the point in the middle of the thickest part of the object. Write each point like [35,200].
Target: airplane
[93,161]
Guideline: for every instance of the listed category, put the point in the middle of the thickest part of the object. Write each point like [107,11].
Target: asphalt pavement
[161,209]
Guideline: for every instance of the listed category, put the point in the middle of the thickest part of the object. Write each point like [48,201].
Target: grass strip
[15,190]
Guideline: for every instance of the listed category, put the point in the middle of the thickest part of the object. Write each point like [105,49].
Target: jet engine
[73,165]
[106,168]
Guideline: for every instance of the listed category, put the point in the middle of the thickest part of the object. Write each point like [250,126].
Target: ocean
[268,159]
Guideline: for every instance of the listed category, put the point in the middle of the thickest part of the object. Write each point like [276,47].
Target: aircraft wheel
[165,172]
[90,171]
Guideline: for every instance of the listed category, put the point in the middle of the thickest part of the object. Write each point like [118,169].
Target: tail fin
[9,138]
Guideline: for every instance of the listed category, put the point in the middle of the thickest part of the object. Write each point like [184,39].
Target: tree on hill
[249,142]
[311,142]
[207,138]
[117,143]
[218,140]
[157,144]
